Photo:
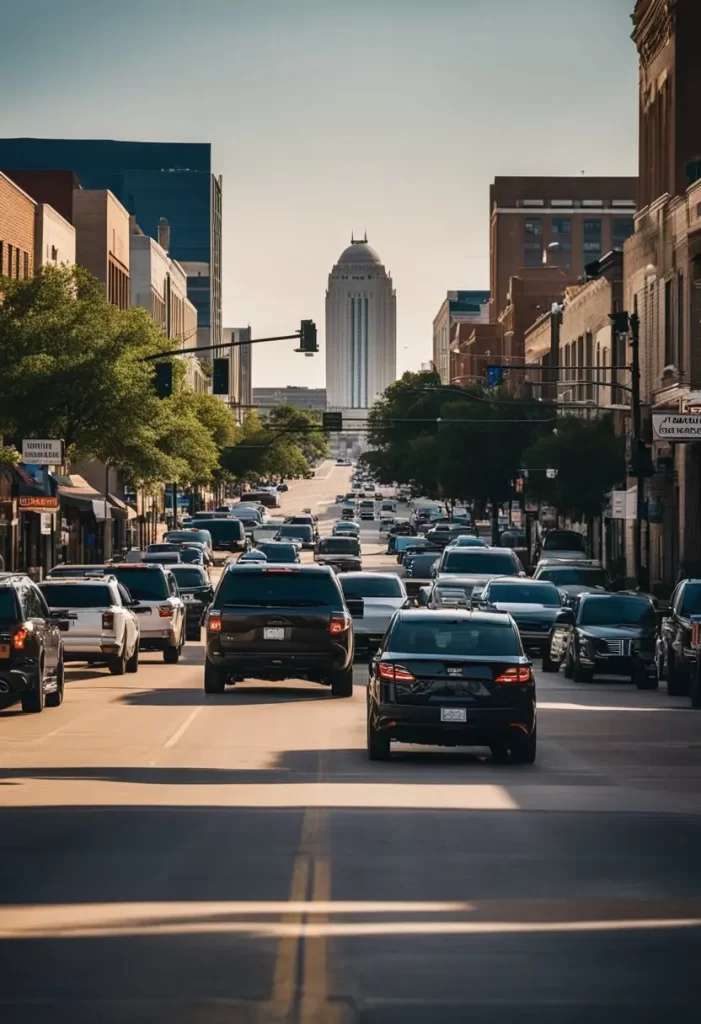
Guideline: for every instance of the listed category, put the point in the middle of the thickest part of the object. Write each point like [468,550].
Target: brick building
[473,348]
[457,307]
[17,230]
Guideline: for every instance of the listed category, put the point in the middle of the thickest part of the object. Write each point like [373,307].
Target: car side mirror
[565,617]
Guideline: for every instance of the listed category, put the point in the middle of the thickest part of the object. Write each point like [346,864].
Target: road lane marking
[287,960]
[179,733]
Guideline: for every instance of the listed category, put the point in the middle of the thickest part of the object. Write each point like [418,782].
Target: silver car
[372,599]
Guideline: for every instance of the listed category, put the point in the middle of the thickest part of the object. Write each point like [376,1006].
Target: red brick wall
[16,230]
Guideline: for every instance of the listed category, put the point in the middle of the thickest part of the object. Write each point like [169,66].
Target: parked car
[605,634]
[104,626]
[341,553]
[452,678]
[31,645]
[279,622]
[196,590]
[533,605]
[372,599]
[676,656]
[582,576]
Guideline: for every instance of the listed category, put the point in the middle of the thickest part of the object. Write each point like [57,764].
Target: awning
[80,495]
[120,509]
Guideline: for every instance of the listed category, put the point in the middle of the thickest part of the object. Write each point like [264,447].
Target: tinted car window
[63,595]
[143,584]
[271,588]
[369,587]
[564,540]
[159,548]
[303,531]
[454,639]
[512,539]
[525,593]
[421,563]
[339,546]
[691,601]
[189,577]
[8,606]
[465,560]
[224,529]
[31,604]
[204,536]
[567,577]
[278,552]
[617,611]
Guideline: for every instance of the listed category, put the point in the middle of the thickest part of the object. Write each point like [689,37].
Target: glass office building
[155,181]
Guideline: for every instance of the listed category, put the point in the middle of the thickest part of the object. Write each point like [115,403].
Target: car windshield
[339,546]
[564,540]
[201,535]
[459,638]
[302,531]
[143,584]
[496,563]
[691,602]
[421,562]
[525,593]
[568,577]
[512,539]
[277,552]
[268,588]
[188,578]
[8,608]
[467,541]
[617,611]
[76,595]
[371,586]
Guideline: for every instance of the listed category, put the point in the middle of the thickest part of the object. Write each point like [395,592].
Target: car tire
[133,662]
[569,666]
[548,664]
[581,675]
[342,682]
[55,699]
[642,681]
[523,748]
[378,742]
[677,682]
[214,678]
[33,701]
[118,664]
[171,655]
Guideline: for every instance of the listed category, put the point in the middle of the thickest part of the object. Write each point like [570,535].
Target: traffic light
[163,379]
[332,421]
[495,376]
[220,377]
[307,338]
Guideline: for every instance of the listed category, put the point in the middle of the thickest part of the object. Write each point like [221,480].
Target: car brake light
[339,624]
[165,611]
[108,620]
[515,675]
[280,572]
[397,673]
[19,638]
[214,623]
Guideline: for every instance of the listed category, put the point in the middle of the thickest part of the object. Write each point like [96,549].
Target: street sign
[46,525]
[42,452]
[332,421]
[618,504]
[495,376]
[676,426]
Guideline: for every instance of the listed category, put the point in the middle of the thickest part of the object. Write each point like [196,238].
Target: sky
[328,117]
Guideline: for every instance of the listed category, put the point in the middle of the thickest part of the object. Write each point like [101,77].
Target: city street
[172,857]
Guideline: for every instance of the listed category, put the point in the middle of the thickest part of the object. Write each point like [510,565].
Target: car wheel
[118,664]
[642,680]
[548,664]
[378,743]
[342,683]
[214,678]
[33,700]
[523,748]
[55,699]
[581,675]
[171,655]
[569,667]
[133,662]
[677,682]
[695,686]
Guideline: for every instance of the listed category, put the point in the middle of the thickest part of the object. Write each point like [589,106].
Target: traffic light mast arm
[226,344]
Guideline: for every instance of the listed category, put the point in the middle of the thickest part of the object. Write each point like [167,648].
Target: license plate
[273,633]
[4,650]
[453,715]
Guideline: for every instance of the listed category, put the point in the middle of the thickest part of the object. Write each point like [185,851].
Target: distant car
[366,509]
[227,534]
[301,534]
[533,605]
[452,678]
[442,536]
[270,499]
[372,599]
[348,512]
[564,544]
[196,591]
[346,528]
[402,527]
[605,634]
[398,544]
[467,540]
[342,553]
[254,555]
[340,498]
[162,557]
[277,551]
[193,533]
[580,576]
[451,593]
[418,564]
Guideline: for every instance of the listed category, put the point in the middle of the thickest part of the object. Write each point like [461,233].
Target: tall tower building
[361,329]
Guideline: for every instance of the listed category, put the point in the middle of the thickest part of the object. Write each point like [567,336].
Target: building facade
[102,241]
[566,222]
[239,397]
[313,399]
[55,238]
[361,329]
[473,348]
[458,307]
[153,181]
[17,230]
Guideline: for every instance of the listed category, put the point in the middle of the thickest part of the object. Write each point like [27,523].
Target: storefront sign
[37,503]
[618,504]
[676,426]
[42,453]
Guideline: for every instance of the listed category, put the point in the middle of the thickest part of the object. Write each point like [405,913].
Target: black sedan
[452,678]
[534,605]
[606,634]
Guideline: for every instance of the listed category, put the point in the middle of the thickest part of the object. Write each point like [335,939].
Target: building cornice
[653,22]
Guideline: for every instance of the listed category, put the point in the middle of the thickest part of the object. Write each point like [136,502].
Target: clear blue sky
[328,116]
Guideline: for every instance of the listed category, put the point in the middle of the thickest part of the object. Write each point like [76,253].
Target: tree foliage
[285,443]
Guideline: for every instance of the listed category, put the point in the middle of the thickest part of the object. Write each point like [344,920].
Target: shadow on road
[239,696]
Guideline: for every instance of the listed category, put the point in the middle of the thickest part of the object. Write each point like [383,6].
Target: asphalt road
[167,857]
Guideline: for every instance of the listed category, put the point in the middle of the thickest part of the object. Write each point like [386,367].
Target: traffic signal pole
[636,445]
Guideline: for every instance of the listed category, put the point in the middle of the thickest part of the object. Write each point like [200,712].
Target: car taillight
[397,673]
[19,638]
[165,611]
[108,620]
[339,624]
[214,622]
[515,675]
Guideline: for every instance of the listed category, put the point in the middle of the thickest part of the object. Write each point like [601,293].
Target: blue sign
[495,376]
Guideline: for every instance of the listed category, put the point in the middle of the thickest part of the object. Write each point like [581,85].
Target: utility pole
[637,444]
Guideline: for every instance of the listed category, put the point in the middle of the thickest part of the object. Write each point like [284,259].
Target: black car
[300,533]
[533,605]
[452,678]
[342,553]
[197,592]
[279,622]
[418,564]
[575,578]
[277,551]
[31,648]
[605,634]
[676,655]
[227,534]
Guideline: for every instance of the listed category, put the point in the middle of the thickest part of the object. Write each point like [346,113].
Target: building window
[561,226]
[591,228]
[532,254]
[621,229]
[533,228]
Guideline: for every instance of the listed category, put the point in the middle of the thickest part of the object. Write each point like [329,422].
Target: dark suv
[279,622]
[31,650]
[676,656]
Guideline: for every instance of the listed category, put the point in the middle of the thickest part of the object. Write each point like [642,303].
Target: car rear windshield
[269,588]
[371,587]
[143,584]
[155,549]
[187,578]
[339,546]
[525,593]
[204,536]
[511,539]
[68,595]
[275,552]
[224,529]
[691,602]
[617,611]
[564,540]
[303,531]
[495,562]
[467,541]
[457,639]
[8,607]
[571,577]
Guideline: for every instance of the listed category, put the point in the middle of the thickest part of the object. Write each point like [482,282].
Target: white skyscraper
[361,329]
